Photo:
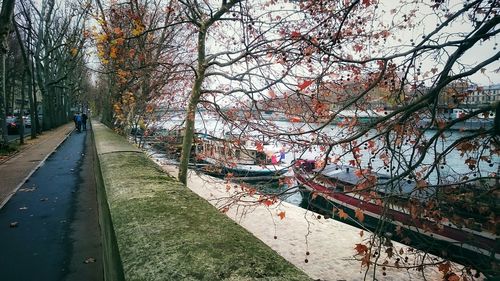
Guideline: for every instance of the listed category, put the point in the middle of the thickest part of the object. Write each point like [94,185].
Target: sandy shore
[326,244]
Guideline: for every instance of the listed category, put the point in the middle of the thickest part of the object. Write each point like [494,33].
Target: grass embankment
[164,231]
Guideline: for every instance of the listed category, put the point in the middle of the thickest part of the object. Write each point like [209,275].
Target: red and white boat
[338,187]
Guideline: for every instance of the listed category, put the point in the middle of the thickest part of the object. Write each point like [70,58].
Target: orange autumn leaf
[251,191]
[319,164]
[444,267]
[371,144]
[259,146]
[295,34]
[272,94]
[367,3]
[361,249]
[421,184]
[360,215]
[268,202]
[342,214]
[281,215]
[131,53]
[359,173]
[113,53]
[294,119]
[358,48]
[149,108]
[365,261]
[356,150]
[305,84]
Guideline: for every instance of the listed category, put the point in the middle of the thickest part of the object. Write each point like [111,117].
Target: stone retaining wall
[154,228]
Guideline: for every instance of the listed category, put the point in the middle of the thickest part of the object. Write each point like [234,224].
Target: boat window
[260,158]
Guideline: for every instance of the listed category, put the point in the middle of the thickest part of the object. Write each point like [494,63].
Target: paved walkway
[49,228]
[16,169]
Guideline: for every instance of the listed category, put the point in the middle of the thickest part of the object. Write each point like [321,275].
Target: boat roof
[400,188]
[245,145]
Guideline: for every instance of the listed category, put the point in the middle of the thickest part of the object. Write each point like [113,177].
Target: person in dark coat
[84,121]
[74,120]
[78,122]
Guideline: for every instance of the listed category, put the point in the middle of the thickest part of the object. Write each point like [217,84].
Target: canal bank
[178,241]
[154,228]
[323,248]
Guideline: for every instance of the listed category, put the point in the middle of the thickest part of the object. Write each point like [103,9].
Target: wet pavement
[49,227]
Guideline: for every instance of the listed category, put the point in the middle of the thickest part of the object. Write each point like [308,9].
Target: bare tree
[6,15]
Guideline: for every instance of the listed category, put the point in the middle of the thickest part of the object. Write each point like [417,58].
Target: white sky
[428,23]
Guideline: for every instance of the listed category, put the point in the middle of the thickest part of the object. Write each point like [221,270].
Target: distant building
[482,95]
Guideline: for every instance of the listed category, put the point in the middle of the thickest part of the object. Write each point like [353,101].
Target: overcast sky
[428,23]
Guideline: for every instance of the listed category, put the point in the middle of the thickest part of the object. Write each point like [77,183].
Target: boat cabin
[345,179]
[240,152]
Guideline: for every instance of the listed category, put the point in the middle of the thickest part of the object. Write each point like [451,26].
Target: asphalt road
[49,228]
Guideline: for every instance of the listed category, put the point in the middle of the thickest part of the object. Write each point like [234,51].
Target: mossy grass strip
[8,149]
[164,231]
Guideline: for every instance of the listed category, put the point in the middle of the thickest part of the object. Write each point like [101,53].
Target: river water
[451,168]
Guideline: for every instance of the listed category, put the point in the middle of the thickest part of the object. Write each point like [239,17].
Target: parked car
[12,125]
[27,121]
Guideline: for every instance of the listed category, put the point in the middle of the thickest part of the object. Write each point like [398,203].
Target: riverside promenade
[322,248]
[48,218]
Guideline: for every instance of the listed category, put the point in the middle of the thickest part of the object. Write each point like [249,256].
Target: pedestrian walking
[84,121]
[74,120]
[79,122]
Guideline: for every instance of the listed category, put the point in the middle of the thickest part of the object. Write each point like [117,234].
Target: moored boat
[244,160]
[345,189]
[169,141]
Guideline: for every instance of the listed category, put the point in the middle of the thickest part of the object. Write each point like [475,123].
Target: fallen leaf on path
[281,215]
[89,260]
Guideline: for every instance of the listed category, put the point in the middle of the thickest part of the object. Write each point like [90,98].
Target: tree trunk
[36,121]
[201,68]
[3,115]
[29,73]
[21,109]
[187,141]
[5,23]
[32,106]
